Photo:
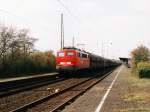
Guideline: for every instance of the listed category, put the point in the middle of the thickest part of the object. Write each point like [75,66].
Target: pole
[61,38]
[73,42]
[102,49]
[62,33]
[103,53]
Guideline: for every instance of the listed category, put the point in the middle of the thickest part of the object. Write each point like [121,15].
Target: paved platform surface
[103,98]
[129,94]
[89,101]
[26,77]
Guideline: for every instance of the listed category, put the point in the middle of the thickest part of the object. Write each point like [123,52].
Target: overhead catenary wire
[7,12]
[69,11]
[29,22]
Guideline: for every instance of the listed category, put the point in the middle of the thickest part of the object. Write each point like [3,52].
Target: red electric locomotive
[72,59]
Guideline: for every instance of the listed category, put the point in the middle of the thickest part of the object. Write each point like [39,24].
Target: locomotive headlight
[68,63]
[62,63]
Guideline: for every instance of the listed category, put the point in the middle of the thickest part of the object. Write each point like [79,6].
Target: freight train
[73,59]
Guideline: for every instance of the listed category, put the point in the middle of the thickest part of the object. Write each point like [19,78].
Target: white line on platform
[98,109]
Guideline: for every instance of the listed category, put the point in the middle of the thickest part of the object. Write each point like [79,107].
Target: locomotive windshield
[61,54]
[70,53]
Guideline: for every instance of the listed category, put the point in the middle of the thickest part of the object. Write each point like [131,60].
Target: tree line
[18,55]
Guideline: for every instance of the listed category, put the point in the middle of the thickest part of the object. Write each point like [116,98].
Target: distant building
[126,61]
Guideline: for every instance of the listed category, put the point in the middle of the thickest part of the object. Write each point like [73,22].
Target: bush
[140,54]
[143,69]
[43,62]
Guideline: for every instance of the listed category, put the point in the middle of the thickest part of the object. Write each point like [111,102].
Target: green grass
[134,110]
[139,91]
[137,96]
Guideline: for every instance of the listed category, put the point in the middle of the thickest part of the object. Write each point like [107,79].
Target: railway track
[53,97]
[19,99]
[13,87]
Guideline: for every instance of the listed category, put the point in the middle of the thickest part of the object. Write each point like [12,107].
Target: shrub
[43,62]
[143,69]
[140,54]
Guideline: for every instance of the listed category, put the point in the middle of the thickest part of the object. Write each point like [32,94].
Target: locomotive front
[66,60]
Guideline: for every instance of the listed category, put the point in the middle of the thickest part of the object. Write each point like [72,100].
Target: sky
[111,28]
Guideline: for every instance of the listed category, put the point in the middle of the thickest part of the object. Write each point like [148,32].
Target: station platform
[26,77]
[111,95]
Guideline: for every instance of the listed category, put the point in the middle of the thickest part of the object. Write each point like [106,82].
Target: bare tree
[26,42]
[6,39]
[14,44]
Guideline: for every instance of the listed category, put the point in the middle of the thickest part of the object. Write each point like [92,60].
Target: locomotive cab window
[61,54]
[84,56]
[70,53]
[79,54]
